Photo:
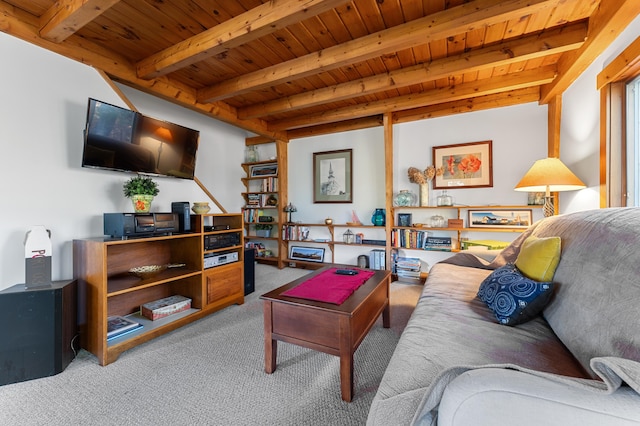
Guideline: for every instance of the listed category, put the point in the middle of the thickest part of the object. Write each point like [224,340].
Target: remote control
[346,272]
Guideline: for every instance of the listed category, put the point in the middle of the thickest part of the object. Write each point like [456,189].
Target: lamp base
[548,207]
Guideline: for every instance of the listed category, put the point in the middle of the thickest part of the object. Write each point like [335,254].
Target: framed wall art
[265,170]
[404,219]
[488,218]
[332,176]
[307,254]
[465,165]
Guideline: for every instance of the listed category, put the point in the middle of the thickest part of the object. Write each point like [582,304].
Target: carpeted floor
[211,373]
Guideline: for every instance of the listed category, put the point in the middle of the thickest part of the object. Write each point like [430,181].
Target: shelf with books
[416,234]
[265,194]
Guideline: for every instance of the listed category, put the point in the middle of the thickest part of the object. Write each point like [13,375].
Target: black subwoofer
[38,331]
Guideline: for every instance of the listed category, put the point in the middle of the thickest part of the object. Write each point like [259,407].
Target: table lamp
[549,175]
[289,209]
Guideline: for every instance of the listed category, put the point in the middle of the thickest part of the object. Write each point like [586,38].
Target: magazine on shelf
[118,325]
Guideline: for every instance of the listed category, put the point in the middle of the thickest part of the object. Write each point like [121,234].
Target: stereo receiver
[218,259]
[217,241]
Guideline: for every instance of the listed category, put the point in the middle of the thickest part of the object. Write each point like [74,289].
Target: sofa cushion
[539,257]
[512,297]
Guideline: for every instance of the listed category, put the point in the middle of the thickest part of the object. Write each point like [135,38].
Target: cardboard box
[454,223]
[165,307]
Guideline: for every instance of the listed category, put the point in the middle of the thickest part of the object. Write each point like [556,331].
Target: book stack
[438,243]
[408,269]
[269,184]
[295,233]
[118,326]
[377,259]
[408,238]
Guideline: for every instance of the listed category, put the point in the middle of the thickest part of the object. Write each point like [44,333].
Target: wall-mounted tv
[116,138]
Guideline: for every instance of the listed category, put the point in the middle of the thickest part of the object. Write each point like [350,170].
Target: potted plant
[141,190]
[263,230]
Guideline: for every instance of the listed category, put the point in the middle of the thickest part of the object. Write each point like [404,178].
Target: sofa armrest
[491,396]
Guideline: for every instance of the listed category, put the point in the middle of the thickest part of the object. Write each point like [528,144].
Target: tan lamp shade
[549,175]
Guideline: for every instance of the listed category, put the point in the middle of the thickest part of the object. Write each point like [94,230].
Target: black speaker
[249,270]
[38,331]
[184,214]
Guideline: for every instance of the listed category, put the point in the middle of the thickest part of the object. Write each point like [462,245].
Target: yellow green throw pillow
[539,257]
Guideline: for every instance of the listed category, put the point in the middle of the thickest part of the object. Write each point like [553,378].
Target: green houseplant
[141,190]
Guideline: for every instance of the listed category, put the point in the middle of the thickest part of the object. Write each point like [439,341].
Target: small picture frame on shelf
[495,218]
[307,254]
[264,170]
[404,219]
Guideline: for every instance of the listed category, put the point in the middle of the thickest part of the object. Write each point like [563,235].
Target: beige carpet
[211,373]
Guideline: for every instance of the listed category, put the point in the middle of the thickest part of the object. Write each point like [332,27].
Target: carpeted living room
[320,212]
[211,373]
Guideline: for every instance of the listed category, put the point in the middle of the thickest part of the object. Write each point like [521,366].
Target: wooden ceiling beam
[437,26]
[607,22]
[487,86]
[66,17]
[624,66]
[251,25]
[121,70]
[498,100]
[543,44]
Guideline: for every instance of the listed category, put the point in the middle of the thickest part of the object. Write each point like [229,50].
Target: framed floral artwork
[465,165]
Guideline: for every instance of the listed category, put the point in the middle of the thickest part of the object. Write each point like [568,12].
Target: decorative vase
[201,207]
[379,217]
[251,154]
[424,195]
[404,198]
[141,203]
[445,199]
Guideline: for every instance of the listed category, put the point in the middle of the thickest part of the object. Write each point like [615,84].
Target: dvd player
[140,224]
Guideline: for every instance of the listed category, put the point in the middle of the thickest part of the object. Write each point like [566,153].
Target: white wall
[519,138]
[580,128]
[43,110]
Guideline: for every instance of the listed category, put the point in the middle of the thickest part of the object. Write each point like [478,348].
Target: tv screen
[120,139]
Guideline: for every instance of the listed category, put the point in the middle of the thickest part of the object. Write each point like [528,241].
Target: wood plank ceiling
[291,68]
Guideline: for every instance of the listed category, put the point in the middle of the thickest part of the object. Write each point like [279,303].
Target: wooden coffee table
[325,327]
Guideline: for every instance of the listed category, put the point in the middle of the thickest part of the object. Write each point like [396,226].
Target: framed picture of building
[332,176]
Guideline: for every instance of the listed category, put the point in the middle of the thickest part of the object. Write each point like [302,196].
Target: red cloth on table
[330,287]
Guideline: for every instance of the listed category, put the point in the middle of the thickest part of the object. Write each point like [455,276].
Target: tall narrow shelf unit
[107,288]
[261,185]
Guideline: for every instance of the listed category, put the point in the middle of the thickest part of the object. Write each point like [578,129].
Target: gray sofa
[577,363]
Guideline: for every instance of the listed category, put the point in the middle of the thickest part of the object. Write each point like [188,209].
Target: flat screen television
[116,138]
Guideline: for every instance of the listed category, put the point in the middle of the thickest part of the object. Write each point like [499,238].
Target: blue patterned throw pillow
[512,297]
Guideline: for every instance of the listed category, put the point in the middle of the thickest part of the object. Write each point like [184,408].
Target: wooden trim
[209,194]
[387,120]
[623,67]
[605,25]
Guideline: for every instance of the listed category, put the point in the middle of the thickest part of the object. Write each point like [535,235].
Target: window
[633,142]
[619,84]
